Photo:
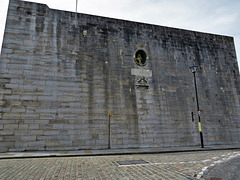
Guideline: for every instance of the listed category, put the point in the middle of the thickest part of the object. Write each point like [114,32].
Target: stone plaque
[141,72]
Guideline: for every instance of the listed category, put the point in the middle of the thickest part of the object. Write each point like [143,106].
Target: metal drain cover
[132,162]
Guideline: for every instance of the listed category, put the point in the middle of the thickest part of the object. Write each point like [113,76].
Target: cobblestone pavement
[184,165]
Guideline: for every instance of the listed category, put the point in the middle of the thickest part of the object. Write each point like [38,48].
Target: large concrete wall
[62,72]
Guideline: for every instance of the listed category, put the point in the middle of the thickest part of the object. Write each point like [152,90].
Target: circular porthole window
[140,57]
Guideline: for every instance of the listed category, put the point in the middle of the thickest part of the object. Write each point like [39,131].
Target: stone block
[10,126]
[3,149]
[52,143]
[11,138]
[5,91]
[46,111]
[66,143]
[74,132]
[28,97]
[21,132]
[30,116]
[23,126]
[9,115]
[21,145]
[7,51]
[7,145]
[13,41]
[36,144]
[18,110]
[36,132]
[58,126]
[47,116]
[69,126]
[12,86]
[16,103]
[41,121]
[33,126]
[60,137]
[51,132]
[78,143]
[47,98]
[28,138]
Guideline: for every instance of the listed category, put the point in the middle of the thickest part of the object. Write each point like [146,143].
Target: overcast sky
[211,16]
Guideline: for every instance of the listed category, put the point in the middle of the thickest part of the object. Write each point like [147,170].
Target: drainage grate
[132,162]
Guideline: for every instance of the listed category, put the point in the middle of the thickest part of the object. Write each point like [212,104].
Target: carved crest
[142,82]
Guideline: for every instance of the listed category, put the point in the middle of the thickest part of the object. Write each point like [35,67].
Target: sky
[211,16]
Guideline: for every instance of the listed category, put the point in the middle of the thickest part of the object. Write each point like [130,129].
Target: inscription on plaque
[141,72]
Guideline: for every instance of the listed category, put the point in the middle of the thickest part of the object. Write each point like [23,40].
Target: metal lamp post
[194,70]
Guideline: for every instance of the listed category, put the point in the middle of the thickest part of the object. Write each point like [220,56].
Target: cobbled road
[184,165]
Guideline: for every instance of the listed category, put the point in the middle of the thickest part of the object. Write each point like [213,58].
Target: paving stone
[184,165]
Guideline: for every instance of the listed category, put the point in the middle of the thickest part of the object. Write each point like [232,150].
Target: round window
[140,58]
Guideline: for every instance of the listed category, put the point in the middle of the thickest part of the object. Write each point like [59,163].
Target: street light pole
[194,70]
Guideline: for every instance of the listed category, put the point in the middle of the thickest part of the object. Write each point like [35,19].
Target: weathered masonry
[75,81]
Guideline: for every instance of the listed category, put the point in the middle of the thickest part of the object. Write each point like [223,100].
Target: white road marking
[216,160]
[231,156]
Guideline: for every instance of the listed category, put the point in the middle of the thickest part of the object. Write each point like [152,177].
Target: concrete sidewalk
[44,154]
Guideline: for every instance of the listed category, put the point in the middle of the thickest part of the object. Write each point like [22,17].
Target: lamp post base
[201,137]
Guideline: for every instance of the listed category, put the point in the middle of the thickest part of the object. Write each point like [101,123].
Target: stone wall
[65,76]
